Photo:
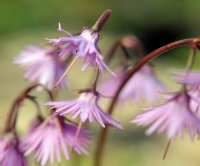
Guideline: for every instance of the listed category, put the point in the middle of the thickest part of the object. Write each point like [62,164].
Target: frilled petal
[86,106]
[190,78]
[173,117]
[84,46]
[51,138]
[41,66]
[142,86]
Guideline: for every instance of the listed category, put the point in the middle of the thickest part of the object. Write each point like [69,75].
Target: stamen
[76,135]
[66,71]
[166,149]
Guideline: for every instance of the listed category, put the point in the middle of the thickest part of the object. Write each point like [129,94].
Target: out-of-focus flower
[83,46]
[42,66]
[173,117]
[86,106]
[192,81]
[50,137]
[142,86]
[188,78]
[10,152]
[78,143]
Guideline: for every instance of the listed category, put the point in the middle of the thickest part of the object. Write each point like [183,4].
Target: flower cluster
[57,134]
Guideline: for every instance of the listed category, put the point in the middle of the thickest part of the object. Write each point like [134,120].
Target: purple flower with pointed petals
[52,135]
[86,106]
[142,86]
[10,152]
[41,66]
[83,46]
[173,117]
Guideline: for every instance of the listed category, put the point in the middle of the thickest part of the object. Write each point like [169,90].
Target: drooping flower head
[42,65]
[142,86]
[53,136]
[87,107]
[10,152]
[83,46]
[173,117]
[192,81]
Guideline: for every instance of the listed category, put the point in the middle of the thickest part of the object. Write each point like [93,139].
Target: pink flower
[192,81]
[86,106]
[41,66]
[190,78]
[47,140]
[83,46]
[143,86]
[10,152]
[172,117]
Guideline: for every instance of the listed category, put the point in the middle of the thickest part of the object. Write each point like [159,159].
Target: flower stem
[140,64]
[96,81]
[101,20]
[13,114]
[127,42]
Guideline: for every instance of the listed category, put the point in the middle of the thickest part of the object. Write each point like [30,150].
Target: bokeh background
[154,22]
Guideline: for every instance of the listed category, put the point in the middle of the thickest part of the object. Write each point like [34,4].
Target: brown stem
[96,81]
[12,116]
[101,20]
[127,42]
[140,64]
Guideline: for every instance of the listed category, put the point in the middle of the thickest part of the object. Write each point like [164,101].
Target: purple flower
[172,117]
[41,66]
[192,80]
[10,152]
[78,143]
[142,86]
[83,46]
[47,140]
[86,106]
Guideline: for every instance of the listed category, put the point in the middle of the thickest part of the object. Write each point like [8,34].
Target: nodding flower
[142,86]
[52,136]
[10,151]
[87,107]
[173,117]
[42,65]
[82,46]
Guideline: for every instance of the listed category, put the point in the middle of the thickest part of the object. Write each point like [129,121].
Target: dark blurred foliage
[155,22]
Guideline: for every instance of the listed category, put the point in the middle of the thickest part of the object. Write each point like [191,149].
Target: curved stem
[191,59]
[12,116]
[140,64]
[127,42]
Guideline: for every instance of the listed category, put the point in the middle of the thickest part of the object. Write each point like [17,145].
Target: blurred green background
[155,22]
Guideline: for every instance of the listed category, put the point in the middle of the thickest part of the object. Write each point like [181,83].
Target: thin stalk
[13,114]
[140,64]
[166,149]
[96,81]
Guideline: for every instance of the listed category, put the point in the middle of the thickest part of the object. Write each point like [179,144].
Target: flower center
[90,36]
